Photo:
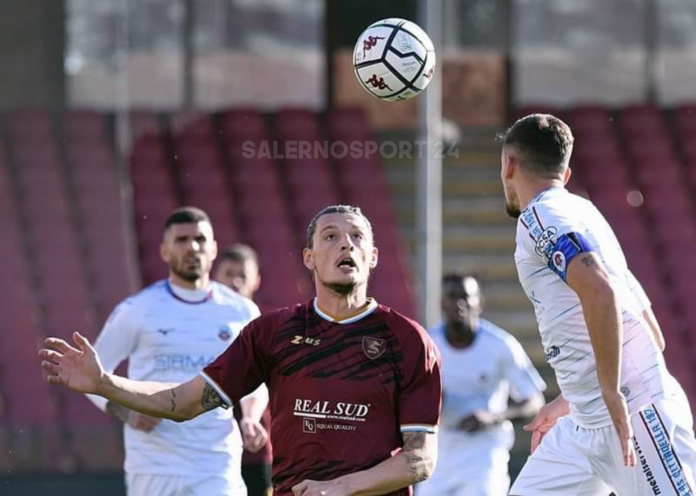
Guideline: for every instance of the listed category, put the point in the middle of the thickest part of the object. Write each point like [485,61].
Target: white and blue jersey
[481,377]
[556,227]
[169,334]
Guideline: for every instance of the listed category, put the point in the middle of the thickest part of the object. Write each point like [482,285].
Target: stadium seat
[243,124]
[85,126]
[30,125]
[192,125]
[297,124]
[348,124]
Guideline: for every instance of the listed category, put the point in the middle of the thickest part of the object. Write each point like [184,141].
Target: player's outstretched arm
[414,463]
[600,306]
[80,370]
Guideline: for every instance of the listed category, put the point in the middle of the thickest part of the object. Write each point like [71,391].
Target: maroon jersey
[341,393]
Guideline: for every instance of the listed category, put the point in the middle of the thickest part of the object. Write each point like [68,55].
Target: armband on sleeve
[565,248]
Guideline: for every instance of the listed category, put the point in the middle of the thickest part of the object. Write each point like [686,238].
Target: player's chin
[191,274]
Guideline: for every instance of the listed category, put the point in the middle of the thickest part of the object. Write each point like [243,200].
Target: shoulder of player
[405,328]
[223,295]
[497,335]
[145,297]
[272,320]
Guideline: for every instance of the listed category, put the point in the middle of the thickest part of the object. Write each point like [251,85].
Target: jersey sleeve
[421,397]
[555,238]
[116,341]
[524,379]
[638,292]
[244,366]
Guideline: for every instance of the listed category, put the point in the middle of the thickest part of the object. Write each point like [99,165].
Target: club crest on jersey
[224,334]
[545,242]
[373,347]
[559,261]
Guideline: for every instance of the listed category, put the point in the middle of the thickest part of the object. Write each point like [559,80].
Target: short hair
[239,252]
[335,209]
[544,143]
[458,278]
[186,215]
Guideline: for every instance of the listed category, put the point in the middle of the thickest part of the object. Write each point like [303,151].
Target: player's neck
[341,307]
[199,284]
[528,189]
[460,335]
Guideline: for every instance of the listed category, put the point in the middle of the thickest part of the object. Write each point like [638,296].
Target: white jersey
[168,337]
[555,227]
[483,376]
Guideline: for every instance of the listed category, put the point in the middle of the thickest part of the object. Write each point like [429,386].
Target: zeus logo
[309,341]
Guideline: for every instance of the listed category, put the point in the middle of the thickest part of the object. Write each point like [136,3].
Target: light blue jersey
[555,227]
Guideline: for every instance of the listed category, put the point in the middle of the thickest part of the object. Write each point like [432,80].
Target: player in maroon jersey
[355,387]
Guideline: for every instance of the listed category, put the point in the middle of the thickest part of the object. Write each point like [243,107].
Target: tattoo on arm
[211,399]
[587,260]
[418,453]
[173,402]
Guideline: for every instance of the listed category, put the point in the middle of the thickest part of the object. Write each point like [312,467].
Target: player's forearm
[253,408]
[118,411]
[525,409]
[603,318]
[413,464]
[395,473]
[156,399]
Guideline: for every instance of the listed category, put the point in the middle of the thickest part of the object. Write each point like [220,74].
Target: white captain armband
[565,248]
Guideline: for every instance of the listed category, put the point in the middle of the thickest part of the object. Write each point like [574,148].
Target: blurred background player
[355,387]
[169,332]
[488,380]
[621,422]
[238,268]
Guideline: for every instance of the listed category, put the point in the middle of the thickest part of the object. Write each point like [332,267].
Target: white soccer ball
[394,59]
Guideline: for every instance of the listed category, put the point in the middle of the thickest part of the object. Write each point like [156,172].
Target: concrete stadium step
[497,245]
[465,159]
[450,173]
[487,187]
[407,216]
[519,322]
[487,266]
[505,294]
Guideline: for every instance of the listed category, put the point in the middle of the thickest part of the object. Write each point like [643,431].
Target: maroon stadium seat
[243,124]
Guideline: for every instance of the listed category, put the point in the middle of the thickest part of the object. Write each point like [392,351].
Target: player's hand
[546,418]
[77,369]
[254,435]
[141,422]
[477,421]
[317,488]
[618,410]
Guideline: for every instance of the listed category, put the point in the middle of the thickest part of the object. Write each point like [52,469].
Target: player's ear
[308,258]
[374,257]
[509,163]
[164,252]
[566,175]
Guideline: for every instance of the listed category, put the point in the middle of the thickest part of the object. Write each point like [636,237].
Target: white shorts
[470,465]
[175,485]
[572,461]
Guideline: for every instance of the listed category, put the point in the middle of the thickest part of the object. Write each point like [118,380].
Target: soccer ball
[394,59]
